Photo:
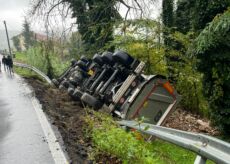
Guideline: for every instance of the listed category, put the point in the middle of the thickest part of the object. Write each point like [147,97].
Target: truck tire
[55,82]
[73,62]
[97,59]
[123,58]
[82,65]
[70,91]
[65,83]
[107,57]
[77,94]
[91,101]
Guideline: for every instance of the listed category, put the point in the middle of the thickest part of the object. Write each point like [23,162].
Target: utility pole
[7,38]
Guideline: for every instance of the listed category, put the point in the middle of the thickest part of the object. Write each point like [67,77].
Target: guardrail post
[200,160]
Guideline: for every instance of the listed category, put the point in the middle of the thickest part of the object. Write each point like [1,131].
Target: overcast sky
[13,12]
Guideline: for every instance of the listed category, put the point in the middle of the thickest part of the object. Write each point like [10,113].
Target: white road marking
[54,146]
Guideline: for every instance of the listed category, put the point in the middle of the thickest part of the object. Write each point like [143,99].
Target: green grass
[35,57]
[174,154]
[20,57]
[26,73]
[109,138]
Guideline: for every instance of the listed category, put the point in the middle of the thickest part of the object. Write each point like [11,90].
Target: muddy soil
[67,116]
[186,121]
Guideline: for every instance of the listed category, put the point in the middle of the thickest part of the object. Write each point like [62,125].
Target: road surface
[23,139]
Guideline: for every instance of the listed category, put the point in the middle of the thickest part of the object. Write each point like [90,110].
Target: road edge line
[55,148]
[57,153]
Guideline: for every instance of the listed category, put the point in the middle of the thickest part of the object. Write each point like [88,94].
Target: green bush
[213,51]
[45,60]
[129,147]
[188,81]
[143,41]
[109,138]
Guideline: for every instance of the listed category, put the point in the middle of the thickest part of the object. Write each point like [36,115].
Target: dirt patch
[186,121]
[67,116]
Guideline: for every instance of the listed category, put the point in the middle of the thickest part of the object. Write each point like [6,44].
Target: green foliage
[178,156]
[214,35]
[184,15]
[16,43]
[46,61]
[193,15]
[167,12]
[110,139]
[27,34]
[75,45]
[27,73]
[142,39]
[188,80]
[168,20]
[213,51]
[124,145]
[205,11]
[95,21]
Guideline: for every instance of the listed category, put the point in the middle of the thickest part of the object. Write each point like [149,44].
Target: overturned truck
[115,82]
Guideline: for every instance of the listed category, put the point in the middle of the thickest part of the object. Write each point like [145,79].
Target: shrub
[45,60]
[213,51]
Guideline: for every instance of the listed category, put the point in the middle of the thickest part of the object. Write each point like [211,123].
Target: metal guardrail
[35,70]
[204,146]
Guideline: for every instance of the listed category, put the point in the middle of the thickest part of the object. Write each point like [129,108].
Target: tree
[206,10]
[167,13]
[184,15]
[167,19]
[193,15]
[16,43]
[213,51]
[27,34]
[75,45]
[95,19]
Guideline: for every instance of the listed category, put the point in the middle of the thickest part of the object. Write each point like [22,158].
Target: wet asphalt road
[22,140]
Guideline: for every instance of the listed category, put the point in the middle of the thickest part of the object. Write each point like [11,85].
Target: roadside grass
[109,139]
[34,57]
[20,57]
[26,73]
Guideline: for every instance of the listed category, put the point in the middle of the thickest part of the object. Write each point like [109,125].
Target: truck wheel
[91,101]
[70,91]
[55,82]
[82,65]
[65,83]
[123,58]
[107,57]
[77,94]
[97,59]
